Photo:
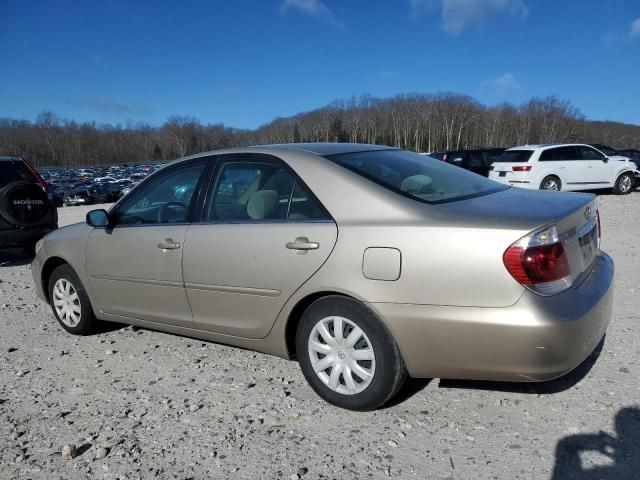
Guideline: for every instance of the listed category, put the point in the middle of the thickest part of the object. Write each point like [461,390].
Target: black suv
[478,160]
[27,212]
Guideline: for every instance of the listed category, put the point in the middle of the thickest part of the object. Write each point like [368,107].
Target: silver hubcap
[550,185]
[342,355]
[625,183]
[66,302]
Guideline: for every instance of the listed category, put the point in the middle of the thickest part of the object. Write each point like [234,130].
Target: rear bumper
[17,236]
[536,339]
[515,182]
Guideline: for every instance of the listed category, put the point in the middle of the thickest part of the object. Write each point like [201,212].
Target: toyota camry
[366,264]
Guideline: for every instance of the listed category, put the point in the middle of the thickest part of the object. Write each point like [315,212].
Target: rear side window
[515,156]
[417,176]
[560,154]
[14,172]
[476,159]
[256,191]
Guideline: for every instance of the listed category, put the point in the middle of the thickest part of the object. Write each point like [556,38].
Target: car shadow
[13,257]
[552,386]
[410,387]
[612,457]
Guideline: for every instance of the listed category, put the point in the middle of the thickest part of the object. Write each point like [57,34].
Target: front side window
[259,191]
[417,176]
[163,199]
[588,153]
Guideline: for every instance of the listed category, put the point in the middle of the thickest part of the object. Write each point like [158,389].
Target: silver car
[365,263]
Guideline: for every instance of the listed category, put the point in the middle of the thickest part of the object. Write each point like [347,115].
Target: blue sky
[244,62]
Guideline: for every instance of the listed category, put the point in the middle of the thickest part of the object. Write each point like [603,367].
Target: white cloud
[635,28]
[503,85]
[313,8]
[460,15]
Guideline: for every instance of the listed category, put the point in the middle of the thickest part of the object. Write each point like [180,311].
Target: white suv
[563,167]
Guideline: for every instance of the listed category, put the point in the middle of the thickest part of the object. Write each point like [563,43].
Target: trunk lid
[524,211]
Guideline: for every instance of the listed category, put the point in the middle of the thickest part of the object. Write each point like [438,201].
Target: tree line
[420,122]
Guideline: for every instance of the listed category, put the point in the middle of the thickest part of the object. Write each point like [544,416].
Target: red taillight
[445,157]
[540,264]
[521,168]
[39,179]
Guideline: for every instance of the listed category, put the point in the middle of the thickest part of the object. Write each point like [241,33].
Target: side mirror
[98,218]
[605,159]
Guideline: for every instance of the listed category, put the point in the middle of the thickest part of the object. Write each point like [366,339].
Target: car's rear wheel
[69,301]
[552,183]
[624,184]
[347,355]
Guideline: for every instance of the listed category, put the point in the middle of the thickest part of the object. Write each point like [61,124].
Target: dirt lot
[171,407]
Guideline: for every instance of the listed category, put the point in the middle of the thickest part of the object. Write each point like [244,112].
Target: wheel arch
[298,310]
[47,269]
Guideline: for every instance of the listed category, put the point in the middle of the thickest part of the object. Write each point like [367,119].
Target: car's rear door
[565,163]
[135,266]
[262,235]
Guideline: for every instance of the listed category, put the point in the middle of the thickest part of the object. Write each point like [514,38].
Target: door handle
[302,244]
[168,244]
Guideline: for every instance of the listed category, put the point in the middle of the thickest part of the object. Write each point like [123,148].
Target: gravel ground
[172,407]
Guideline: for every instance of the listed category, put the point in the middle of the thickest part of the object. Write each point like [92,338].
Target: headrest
[416,184]
[263,204]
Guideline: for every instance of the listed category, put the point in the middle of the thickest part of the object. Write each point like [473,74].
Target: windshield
[417,176]
[515,156]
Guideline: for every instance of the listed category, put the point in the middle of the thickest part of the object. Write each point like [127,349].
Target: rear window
[417,176]
[14,172]
[515,156]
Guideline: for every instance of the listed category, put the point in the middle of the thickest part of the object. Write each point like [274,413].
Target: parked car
[632,153]
[478,161]
[89,195]
[566,167]
[27,212]
[634,156]
[436,155]
[436,272]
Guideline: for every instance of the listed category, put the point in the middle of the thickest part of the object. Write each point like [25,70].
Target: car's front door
[135,266]
[262,235]
[597,168]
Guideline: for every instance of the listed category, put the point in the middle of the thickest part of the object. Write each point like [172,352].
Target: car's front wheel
[624,184]
[347,355]
[69,301]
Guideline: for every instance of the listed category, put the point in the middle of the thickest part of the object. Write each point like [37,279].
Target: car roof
[318,148]
[546,146]
[10,159]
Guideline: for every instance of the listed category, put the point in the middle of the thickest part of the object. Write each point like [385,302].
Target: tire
[549,181]
[23,204]
[350,391]
[624,184]
[81,321]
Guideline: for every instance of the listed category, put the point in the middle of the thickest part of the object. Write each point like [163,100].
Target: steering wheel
[165,208]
